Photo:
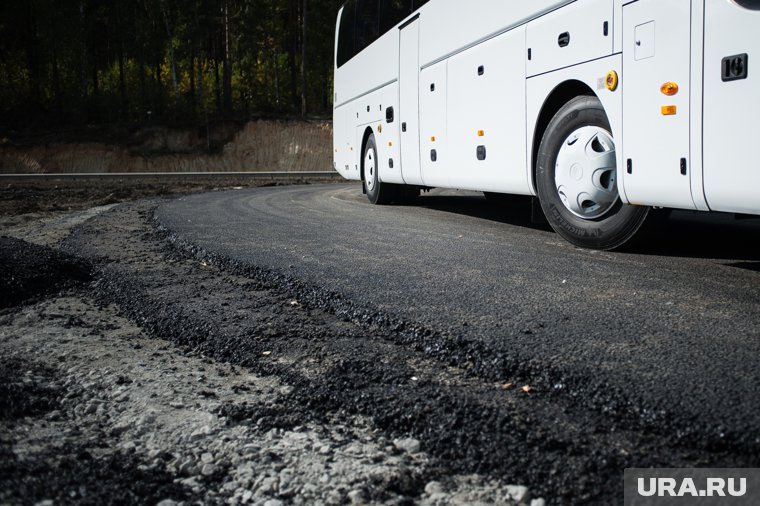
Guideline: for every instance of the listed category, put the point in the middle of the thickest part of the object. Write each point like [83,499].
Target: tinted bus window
[346,34]
[392,12]
[419,3]
[366,23]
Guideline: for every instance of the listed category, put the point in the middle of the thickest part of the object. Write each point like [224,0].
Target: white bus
[602,109]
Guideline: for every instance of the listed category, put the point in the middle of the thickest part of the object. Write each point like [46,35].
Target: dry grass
[258,146]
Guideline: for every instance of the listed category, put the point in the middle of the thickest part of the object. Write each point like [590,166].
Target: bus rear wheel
[377,191]
[576,179]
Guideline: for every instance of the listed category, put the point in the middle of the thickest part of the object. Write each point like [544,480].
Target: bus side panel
[435,158]
[732,108]
[570,35]
[342,143]
[388,138]
[452,25]
[375,67]
[657,50]
[592,74]
[368,113]
[486,121]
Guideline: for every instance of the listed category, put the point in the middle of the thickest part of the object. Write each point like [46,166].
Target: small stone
[538,502]
[517,493]
[273,502]
[200,433]
[433,488]
[408,445]
[268,486]
[46,502]
[208,469]
[167,502]
[120,429]
[247,496]
[334,498]
[187,468]
[356,497]
[207,458]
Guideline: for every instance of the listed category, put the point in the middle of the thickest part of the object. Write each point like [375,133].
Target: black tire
[620,222]
[377,192]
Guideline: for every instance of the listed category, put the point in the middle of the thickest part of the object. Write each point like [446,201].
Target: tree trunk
[303,61]
[192,83]
[217,87]
[293,52]
[227,65]
[57,85]
[172,63]
[122,81]
[83,54]
[32,55]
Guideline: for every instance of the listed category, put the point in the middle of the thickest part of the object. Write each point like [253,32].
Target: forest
[96,62]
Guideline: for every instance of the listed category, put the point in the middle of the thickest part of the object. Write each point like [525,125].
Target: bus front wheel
[377,191]
[576,178]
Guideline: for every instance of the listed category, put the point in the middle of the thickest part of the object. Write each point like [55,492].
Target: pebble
[517,493]
[268,486]
[273,502]
[538,502]
[208,469]
[433,488]
[356,497]
[187,468]
[408,445]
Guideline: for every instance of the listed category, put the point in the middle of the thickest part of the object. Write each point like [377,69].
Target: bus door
[409,100]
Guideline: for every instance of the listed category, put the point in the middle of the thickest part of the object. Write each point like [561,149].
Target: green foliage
[139,61]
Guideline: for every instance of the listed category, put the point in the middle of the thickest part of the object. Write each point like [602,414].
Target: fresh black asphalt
[664,339]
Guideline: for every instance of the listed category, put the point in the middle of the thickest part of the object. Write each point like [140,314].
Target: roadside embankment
[263,145]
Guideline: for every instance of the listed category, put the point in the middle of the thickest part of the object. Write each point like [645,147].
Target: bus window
[419,3]
[366,23]
[346,38]
[392,12]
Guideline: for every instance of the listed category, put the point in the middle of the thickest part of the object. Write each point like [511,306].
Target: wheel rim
[586,173]
[369,169]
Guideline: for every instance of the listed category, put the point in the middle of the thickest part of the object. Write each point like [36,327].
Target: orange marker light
[669,88]
[612,80]
[481,133]
[669,110]
[390,144]
[432,139]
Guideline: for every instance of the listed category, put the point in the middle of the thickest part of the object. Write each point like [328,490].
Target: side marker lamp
[669,89]
[612,80]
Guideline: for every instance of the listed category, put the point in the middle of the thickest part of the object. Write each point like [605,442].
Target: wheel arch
[559,96]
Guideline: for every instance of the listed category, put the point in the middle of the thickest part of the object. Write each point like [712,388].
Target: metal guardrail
[171,175]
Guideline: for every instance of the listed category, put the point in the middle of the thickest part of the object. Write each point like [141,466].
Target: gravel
[97,410]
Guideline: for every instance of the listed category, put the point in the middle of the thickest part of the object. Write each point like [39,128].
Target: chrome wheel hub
[586,173]
[369,169]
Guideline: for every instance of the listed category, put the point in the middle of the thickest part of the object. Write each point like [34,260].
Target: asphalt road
[664,339]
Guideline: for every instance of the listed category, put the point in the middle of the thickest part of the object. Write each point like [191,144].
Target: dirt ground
[135,374]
